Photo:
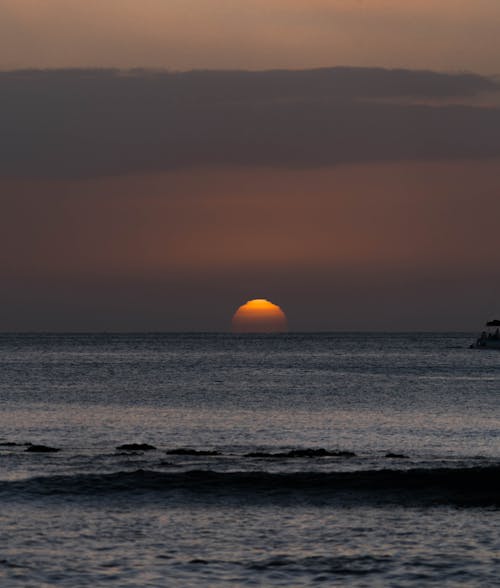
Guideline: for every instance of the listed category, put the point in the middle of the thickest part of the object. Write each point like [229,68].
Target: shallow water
[92,514]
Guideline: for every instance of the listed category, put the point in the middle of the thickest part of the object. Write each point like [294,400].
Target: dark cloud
[84,123]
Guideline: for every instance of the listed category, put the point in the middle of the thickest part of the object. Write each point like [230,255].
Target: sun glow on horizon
[259,316]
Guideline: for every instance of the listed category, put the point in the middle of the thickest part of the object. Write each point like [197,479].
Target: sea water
[279,460]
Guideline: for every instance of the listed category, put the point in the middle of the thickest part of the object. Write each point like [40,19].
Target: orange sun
[259,316]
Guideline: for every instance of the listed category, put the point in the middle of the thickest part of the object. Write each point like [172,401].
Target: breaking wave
[478,486]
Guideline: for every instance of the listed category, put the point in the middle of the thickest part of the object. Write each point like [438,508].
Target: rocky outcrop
[136,447]
[302,453]
[42,449]
[187,451]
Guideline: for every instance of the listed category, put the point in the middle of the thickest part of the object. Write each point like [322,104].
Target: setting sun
[259,316]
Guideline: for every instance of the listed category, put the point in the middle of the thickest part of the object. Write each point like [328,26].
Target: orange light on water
[259,316]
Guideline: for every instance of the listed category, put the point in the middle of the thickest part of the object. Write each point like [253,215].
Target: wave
[477,486]
[341,564]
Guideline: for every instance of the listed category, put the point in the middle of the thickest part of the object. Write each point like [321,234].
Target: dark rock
[12,444]
[42,449]
[136,447]
[396,455]
[185,451]
[301,453]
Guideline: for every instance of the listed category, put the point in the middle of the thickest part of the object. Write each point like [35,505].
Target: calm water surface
[92,514]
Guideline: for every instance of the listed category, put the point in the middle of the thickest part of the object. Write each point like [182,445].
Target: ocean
[352,459]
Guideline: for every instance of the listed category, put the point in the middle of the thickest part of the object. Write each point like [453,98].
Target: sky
[163,162]
[250,34]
